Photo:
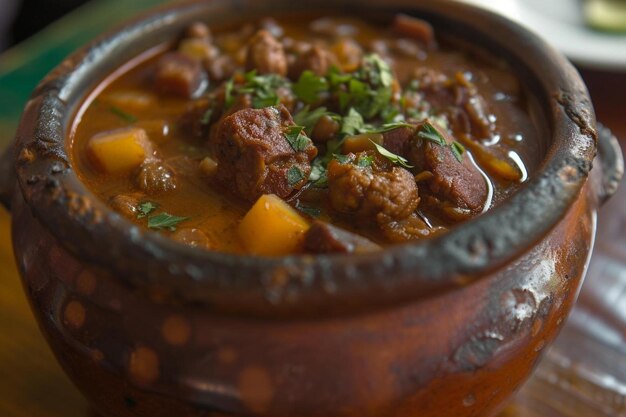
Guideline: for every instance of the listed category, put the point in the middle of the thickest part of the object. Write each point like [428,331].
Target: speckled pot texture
[450,326]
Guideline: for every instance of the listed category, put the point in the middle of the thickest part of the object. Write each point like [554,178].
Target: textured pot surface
[147,327]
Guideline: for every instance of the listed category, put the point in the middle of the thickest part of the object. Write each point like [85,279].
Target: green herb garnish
[127,117]
[309,87]
[228,93]
[457,150]
[395,159]
[294,176]
[430,133]
[206,117]
[165,221]
[145,209]
[263,89]
[352,123]
[318,175]
[365,161]
[341,158]
[309,118]
[296,139]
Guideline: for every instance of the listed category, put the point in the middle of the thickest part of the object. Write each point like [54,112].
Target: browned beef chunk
[221,67]
[458,99]
[458,182]
[154,177]
[266,54]
[192,237]
[127,204]
[254,156]
[411,228]
[398,140]
[378,190]
[325,238]
[180,75]
[415,28]
[316,59]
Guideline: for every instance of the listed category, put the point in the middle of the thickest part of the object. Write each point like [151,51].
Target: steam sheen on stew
[332,136]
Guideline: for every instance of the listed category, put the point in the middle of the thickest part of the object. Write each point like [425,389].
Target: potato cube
[119,151]
[272,227]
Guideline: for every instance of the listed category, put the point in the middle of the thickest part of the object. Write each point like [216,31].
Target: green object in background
[22,67]
[606,15]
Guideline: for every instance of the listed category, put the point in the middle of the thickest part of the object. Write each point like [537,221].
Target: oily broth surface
[214,210]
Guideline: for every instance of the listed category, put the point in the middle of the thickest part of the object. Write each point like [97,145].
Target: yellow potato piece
[119,151]
[272,227]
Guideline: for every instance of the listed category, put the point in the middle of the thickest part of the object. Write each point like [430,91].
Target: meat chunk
[411,228]
[376,190]
[459,182]
[316,59]
[127,204]
[179,75]
[254,156]
[326,238]
[192,237]
[266,54]
[325,129]
[154,178]
[415,28]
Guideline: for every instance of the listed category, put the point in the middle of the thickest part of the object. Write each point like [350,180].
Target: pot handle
[7,177]
[610,154]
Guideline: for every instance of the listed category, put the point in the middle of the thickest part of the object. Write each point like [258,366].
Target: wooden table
[583,375]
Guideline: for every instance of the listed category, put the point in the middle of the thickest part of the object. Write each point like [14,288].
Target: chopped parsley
[395,159]
[457,150]
[318,175]
[263,89]
[228,93]
[309,118]
[145,209]
[365,161]
[127,117]
[165,221]
[352,123]
[296,139]
[341,158]
[309,87]
[206,117]
[430,133]
[294,176]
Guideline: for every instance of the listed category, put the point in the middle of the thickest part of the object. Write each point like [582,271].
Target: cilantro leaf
[318,173]
[457,150]
[296,139]
[127,117]
[396,159]
[165,221]
[352,123]
[206,117]
[294,176]
[342,159]
[309,118]
[365,161]
[228,93]
[430,133]
[145,208]
[309,87]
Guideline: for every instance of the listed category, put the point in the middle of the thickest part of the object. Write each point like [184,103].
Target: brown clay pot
[446,327]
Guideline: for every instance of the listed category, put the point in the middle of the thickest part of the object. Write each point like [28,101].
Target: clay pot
[450,326]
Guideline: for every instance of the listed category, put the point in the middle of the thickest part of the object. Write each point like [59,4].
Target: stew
[307,135]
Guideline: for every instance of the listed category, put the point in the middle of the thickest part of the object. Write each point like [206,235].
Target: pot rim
[305,284]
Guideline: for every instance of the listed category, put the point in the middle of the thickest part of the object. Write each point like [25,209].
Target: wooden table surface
[568,383]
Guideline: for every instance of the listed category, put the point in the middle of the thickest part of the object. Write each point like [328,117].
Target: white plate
[561,23]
